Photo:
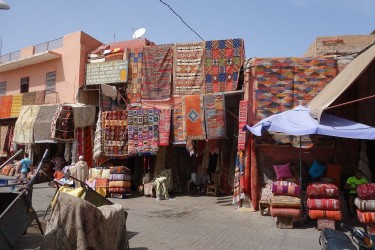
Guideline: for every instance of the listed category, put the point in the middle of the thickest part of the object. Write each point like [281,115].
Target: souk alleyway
[191,222]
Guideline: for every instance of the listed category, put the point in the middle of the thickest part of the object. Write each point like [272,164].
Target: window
[24,85]
[3,88]
[51,81]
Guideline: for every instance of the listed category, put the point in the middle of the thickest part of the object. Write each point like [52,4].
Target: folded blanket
[285,201]
[120,170]
[322,190]
[365,205]
[119,190]
[325,214]
[119,184]
[323,204]
[285,212]
[366,191]
[366,217]
[102,183]
[285,188]
[119,177]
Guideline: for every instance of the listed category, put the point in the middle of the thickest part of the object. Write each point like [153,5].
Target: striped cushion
[365,205]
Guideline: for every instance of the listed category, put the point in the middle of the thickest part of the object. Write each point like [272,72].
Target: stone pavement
[191,222]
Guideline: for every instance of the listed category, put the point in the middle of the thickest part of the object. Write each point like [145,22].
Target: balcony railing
[51,45]
[10,57]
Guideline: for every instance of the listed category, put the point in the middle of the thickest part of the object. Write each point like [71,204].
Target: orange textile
[325,214]
[192,110]
[6,106]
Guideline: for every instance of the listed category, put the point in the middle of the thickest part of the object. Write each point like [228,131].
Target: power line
[181,19]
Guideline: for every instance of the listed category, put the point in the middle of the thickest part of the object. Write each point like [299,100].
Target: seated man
[203,182]
[351,186]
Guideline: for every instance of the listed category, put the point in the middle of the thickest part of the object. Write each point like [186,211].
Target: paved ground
[191,222]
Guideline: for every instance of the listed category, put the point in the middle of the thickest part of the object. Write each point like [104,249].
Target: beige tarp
[341,82]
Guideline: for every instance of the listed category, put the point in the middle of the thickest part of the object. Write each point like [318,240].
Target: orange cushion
[334,172]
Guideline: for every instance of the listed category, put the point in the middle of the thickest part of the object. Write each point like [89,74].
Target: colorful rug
[24,128]
[366,191]
[165,126]
[119,170]
[135,75]
[366,217]
[85,144]
[42,125]
[322,190]
[98,152]
[188,68]
[365,205]
[119,55]
[157,73]
[28,98]
[223,61]
[285,212]
[8,144]
[323,204]
[236,185]
[325,214]
[39,97]
[254,175]
[6,106]
[285,188]
[3,136]
[16,105]
[214,110]
[114,132]
[193,113]
[143,131]
[63,124]
[242,120]
[119,177]
[285,201]
[178,126]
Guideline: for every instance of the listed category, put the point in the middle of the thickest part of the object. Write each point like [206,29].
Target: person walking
[25,165]
[80,171]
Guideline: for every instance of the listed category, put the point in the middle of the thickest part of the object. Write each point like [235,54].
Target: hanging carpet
[214,108]
[164,127]
[28,98]
[85,144]
[39,97]
[6,106]
[223,61]
[143,131]
[24,128]
[3,136]
[193,113]
[84,115]
[63,124]
[242,120]
[157,73]
[188,68]
[135,75]
[98,144]
[178,126]
[115,136]
[16,105]
[42,125]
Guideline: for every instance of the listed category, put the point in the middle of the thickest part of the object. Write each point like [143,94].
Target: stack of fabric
[119,182]
[285,204]
[365,202]
[324,204]
[98,180]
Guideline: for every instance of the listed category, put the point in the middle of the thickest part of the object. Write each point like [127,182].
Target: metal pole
[11,158]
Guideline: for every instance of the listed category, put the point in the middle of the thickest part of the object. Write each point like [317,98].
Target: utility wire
[181,19]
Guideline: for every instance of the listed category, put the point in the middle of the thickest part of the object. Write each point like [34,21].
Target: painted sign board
[107,72]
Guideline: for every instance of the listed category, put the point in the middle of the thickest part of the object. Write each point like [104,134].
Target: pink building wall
[70,69]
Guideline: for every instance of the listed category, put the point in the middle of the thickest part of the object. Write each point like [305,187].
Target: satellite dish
[138,33]
[4,5]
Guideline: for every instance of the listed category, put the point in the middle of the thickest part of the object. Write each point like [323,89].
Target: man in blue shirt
[25,165]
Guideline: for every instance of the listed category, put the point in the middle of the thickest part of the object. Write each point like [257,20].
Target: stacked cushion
[323,203]
[365,202]
[285,212]
[119,182]
[285,188]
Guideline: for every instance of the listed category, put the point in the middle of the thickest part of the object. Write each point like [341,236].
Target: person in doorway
[204,181]
[351,187]
[80,171]
[25,165]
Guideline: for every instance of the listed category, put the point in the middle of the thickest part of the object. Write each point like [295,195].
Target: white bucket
[194,177]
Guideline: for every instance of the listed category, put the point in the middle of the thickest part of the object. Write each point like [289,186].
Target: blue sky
[270,28]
